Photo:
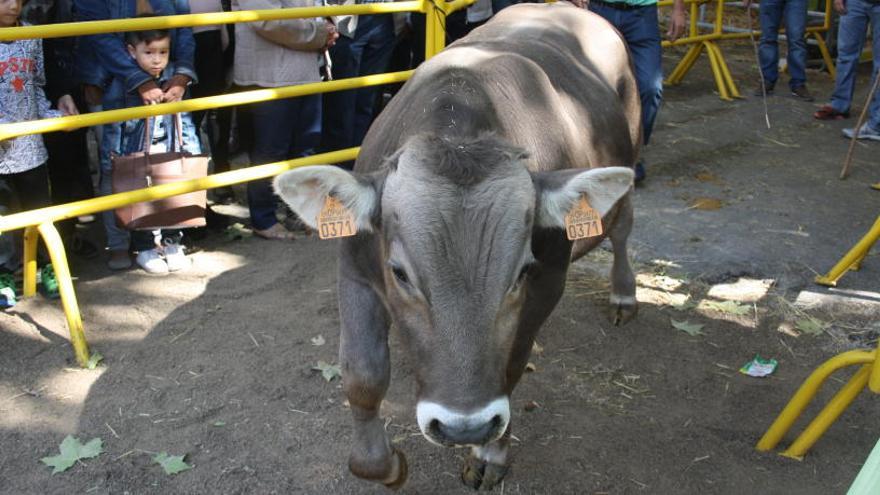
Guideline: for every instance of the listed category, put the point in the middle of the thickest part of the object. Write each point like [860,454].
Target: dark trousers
[211,68]
[283,129]
[69,174]
[348,114]
[23,191]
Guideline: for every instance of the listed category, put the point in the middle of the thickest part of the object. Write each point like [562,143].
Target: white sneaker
[175,258]
[865,132]
[151,261]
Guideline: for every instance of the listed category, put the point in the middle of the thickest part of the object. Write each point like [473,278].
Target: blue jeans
[794,14]
[641,31]
[851,35]
[348,114]
[283,129]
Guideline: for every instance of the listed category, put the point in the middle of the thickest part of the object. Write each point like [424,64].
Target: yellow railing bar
[853,258]
[826,417]
[112,201]
[805,394]
[84,28]
[8,131]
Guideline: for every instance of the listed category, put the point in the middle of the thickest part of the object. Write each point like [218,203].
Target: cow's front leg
[623,283]
[363,354]
[486,465]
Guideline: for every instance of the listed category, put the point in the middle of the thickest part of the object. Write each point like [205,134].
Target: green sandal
[7,290]
[49,283]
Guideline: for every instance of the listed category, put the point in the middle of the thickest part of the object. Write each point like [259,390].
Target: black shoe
[801,92]
[640,174]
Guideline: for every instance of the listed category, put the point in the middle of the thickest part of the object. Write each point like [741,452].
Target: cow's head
[455,222]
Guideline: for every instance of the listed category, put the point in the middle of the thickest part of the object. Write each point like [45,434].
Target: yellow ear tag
[582,221]
[335,220]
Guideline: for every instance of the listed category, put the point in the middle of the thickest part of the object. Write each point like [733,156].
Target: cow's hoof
[481,475]
[623,312]
[399,471]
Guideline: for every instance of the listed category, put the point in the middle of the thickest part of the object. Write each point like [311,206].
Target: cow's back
[553,79]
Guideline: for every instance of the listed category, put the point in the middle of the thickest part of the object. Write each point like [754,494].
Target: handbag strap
[178,134]
[178,131]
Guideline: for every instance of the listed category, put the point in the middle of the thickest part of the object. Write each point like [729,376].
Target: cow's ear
[559,191]
[306,189]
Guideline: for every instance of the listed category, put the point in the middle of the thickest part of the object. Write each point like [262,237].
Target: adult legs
[795,15]
[874,109]
[275,143]
[212,81]
[376,54]
[69,174]
[851,34]
[642,34]
[348,114]
[770,15]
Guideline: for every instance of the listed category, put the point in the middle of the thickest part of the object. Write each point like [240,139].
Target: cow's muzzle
[449,428]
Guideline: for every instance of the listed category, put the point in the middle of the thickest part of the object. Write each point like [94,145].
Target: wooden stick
[844,172]
[758,61]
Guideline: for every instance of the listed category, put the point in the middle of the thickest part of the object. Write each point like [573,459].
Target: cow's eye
[399,274]
[523,273]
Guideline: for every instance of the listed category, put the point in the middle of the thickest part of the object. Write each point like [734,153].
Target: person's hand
[332,35]
[151,93]
[67,106]
[678,22]
[175,87]
[93,94]
[840,6]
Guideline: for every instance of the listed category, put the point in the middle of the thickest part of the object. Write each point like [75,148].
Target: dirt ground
[216,363]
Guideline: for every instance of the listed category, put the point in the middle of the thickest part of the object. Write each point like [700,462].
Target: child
[158,251]
[23,171]
[122,80]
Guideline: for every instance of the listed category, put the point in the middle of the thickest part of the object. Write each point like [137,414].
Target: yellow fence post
[65,288]
[31,236]
[435,27]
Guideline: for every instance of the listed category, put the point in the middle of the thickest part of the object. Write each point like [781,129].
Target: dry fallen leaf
[706,204]
[706,177]
[692,329]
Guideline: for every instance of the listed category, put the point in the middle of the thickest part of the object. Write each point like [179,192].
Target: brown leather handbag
[144,169]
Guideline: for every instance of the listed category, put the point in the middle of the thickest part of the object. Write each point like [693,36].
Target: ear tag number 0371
[335,220]
[582,221]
